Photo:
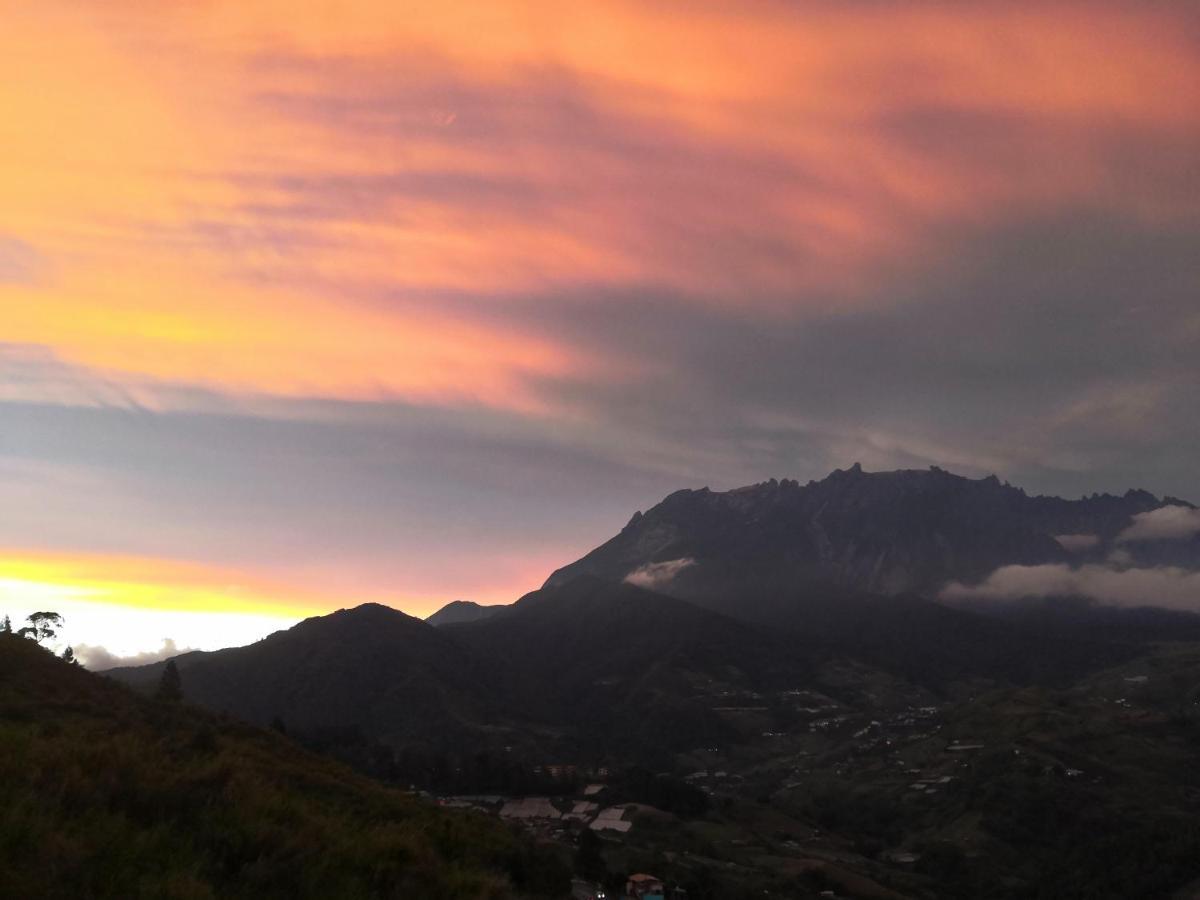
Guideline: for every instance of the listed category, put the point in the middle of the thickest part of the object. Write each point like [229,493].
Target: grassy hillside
[104,793]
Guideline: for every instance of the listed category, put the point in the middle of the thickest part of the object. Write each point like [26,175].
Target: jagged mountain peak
[882,532]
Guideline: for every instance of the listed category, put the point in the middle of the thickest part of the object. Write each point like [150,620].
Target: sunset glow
[324,279]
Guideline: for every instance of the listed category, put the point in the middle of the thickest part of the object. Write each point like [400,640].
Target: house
[645,887]
[530,808]
[611,819]
[582,811]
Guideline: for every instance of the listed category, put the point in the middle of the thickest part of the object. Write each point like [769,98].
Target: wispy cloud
[266,169]
[657,575]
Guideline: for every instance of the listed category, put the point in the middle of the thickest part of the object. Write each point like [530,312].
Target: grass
[104,793]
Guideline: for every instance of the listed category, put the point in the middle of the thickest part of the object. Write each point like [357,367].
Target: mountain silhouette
[909,531]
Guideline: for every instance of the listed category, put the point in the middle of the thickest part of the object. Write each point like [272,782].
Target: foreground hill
[104,793]
[880,532]
[370,668]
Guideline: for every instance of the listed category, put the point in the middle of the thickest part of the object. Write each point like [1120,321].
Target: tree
[69,656]
[43,626]
[170,686]
[589,860]
[5,625]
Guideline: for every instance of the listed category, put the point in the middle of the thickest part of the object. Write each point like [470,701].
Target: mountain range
[911,531]
[828,585]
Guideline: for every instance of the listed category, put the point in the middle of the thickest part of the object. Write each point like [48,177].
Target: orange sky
[342,200]
[163,190]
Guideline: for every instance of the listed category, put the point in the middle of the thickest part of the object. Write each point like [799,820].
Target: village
[562,819]
[818,736]
[762,809]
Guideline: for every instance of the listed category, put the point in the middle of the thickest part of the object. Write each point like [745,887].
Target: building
[645,887]
[611,819]
[530,808]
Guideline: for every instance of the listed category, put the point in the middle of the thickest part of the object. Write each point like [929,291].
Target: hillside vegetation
[105,793]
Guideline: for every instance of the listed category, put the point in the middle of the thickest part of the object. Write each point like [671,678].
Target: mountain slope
[587,670]
[106,794]
[883,532]
[850,560]
[371,668]
[459,611]
[622,667]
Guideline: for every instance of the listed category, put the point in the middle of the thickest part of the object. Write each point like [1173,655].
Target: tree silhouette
[43,626]
[589,861]
[5,625]
[69,656]
[170,686]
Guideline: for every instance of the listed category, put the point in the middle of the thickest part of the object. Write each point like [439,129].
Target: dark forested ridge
[610,668]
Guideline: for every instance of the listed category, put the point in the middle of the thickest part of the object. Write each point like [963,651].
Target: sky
[309,304]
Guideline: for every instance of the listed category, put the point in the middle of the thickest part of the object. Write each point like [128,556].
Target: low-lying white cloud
[1167,523]
[655,575]
[1077,543]
[1163,586]
[1120,557]
[97,658]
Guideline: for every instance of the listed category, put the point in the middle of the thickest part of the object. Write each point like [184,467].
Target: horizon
[215,631]
[303,307]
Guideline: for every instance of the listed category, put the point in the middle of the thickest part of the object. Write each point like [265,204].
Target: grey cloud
[731,400]
[98,659]
[1168,523]
[1166,586]
[1007,359]
[33,373]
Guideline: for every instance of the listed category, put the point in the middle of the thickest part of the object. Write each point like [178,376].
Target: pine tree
[170,686]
